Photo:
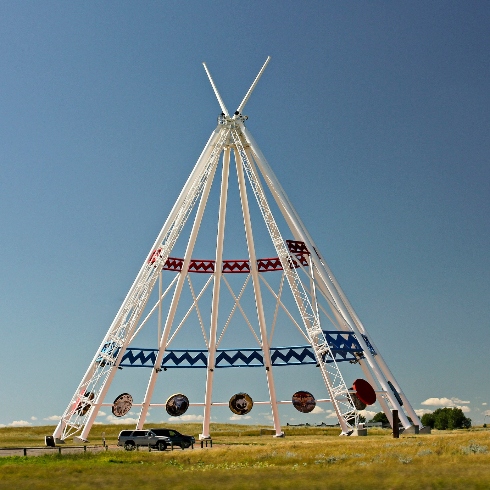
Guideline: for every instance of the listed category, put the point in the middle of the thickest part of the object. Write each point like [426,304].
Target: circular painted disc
[357,402]
[304,401]
[241,403]
[364,391]
[177,405]
[122,405]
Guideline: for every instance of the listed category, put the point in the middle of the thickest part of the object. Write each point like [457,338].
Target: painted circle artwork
[304,401]
[177,405]
[122,405]
[364,391]
[241,403]
[360,405]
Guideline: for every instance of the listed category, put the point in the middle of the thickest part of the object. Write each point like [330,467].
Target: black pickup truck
[176,438]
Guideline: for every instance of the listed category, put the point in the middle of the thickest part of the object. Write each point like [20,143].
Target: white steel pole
[159,307]
[175,299]
[334,382]
[252,87]
[218,96]
[293,219]
[379,396]
[218,268]
[332,376]
[66,421]
[139,283]
[258,295]
[379,358]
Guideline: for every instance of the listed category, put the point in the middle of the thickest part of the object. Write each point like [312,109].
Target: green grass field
[310,458]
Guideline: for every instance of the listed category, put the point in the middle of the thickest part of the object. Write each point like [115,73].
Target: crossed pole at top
[224,110]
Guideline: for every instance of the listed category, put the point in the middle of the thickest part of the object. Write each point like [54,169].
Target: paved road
[38,451]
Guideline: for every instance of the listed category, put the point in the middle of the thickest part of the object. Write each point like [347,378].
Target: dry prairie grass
[313,460]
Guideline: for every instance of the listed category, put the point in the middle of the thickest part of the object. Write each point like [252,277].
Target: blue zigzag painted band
[344,347]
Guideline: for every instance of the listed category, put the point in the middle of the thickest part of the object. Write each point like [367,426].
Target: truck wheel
[129,446]
[162,446]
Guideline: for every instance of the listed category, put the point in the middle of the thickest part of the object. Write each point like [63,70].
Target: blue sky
[374,116]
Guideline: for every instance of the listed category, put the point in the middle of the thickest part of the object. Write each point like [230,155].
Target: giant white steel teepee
[315,297]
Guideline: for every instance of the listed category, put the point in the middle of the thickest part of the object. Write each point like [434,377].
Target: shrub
[474,448]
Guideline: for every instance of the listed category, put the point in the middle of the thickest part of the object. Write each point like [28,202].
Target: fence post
[59,450]
[25,451]
[396,428]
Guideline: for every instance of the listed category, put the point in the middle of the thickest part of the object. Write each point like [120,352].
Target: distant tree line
[441,419]
[380,417]
[446,418]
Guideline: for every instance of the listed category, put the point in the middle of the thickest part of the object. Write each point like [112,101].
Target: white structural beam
[176,297]
[218,96]
[94,385]
[216,294]
[331,374]
[257,292]
[328,280]
[252,87]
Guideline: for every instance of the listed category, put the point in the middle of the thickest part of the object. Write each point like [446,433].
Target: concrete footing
[413,429]
[359,432]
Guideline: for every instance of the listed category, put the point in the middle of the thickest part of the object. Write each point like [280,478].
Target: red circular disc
[365,391]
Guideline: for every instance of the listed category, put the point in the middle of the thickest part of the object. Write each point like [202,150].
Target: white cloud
[101,414]
[317,409]
[33,418]
[486,412]
[53,417]
[330,414]
[20,423]
[187,418]
[368,414]
[438,402]
[460,402]
[444,402]
[422,411]
[3,425]
[447,402]
[240,417]
[484,403]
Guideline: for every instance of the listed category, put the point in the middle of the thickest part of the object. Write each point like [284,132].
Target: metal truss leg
[258,295]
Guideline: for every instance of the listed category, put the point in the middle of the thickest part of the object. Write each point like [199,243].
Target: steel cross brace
[338,391]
